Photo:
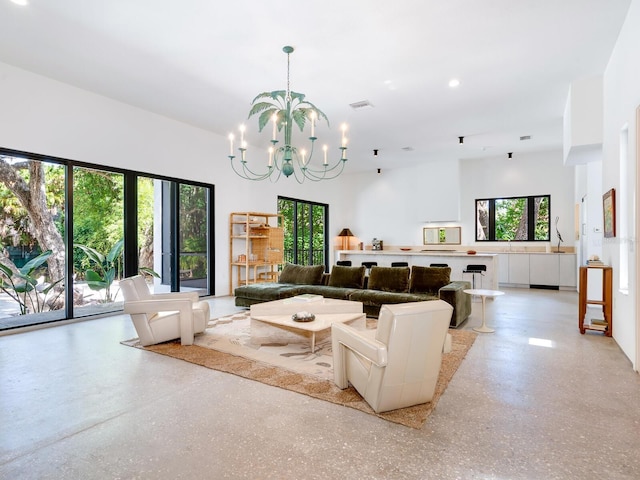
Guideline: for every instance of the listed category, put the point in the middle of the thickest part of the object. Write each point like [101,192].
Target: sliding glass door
[32,253]
[194,240]
[98,240]
[69,232]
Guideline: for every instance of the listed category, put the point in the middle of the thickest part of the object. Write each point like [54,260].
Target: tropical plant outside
[25,287]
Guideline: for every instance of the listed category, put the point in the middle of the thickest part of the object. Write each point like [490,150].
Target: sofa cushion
[378,297]
[328,292]
[266,292]
[347,277]
[301,274]
[429,279]
[389,279]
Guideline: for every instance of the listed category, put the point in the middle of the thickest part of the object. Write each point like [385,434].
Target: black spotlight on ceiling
[460,140]
[510,154]
[375,152]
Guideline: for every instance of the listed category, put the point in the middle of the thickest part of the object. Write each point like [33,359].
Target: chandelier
[284,109]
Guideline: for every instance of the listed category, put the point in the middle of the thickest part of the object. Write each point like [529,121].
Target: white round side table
[483,294]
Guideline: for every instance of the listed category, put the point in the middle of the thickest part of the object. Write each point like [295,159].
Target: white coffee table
[484,293]
[272,322]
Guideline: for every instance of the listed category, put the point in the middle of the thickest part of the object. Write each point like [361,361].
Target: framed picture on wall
[609,210]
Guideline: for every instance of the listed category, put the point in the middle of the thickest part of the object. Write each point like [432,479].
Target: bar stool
[439,265]
[473,270]
[368,266]
[344,263]
[399,264]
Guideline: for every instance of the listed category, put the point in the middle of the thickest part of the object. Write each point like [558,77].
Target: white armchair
[396,365]
[163,316]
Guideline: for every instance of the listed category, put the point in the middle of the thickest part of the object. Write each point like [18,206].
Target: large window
[69,231]
[305,231]
[513,219]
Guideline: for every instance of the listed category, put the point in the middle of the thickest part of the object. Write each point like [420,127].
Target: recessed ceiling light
[22,3]
[454,82]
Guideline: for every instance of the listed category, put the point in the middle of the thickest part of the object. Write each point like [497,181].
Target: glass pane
[482,219]
[511,219]
[318,235]
[303,232]
[149,216]
[33,250]
[542,218]
[193,238]
[98,239]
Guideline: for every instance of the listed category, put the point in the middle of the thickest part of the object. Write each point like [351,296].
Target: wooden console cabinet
[256,247]
[606,302]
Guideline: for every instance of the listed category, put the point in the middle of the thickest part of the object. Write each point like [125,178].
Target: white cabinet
[568,268]
[503,267]
[544,269]
[519,269]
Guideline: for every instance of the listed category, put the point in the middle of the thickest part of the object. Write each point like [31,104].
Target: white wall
[621,98]
[582,126]
[395,205]
[541,173]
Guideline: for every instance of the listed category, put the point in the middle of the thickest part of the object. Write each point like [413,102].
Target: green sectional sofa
[385,285]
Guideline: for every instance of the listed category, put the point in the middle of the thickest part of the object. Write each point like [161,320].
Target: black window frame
[296,203]
[531,223]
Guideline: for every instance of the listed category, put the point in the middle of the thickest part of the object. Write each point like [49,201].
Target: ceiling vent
[407,149]
[525,137]
[362,104]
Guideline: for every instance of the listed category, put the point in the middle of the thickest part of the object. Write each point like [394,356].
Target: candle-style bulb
[231,137]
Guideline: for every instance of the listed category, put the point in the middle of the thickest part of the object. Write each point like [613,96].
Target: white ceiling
[202,62]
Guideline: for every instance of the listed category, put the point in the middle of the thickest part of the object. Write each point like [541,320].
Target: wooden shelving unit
[256,248]
[606,326]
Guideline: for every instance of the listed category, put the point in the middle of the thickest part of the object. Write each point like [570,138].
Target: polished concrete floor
[534,400]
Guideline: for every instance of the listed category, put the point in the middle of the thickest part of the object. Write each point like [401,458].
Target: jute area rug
[226,346]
